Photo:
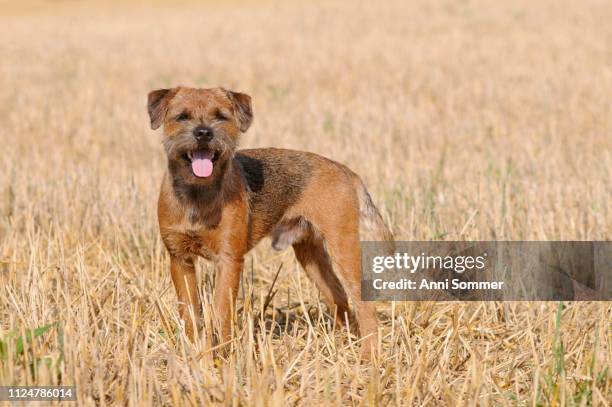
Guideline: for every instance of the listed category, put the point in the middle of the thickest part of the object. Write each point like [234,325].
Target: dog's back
[276,180]
[281,179]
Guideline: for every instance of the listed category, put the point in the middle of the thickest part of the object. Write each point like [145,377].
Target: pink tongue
[202,165]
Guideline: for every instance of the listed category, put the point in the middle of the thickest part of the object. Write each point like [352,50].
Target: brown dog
[217,203]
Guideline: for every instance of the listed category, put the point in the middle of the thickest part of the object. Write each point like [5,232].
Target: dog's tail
[370,217]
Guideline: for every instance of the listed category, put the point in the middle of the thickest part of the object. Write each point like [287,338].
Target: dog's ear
[157,105]
[242,108]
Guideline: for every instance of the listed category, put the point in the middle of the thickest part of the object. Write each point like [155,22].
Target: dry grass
[467,120]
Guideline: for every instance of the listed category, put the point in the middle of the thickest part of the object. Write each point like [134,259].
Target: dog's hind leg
[345,251]
[313,258]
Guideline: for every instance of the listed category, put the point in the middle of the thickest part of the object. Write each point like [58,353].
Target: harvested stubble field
[467,120]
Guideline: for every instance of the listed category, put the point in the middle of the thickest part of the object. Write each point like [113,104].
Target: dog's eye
[182,117]
[221,116]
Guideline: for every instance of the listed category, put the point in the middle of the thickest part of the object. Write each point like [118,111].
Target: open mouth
[202,161]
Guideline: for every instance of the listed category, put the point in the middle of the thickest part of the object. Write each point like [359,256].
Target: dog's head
[201,129]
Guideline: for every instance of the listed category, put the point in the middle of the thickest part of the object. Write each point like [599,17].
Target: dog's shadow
[291,319]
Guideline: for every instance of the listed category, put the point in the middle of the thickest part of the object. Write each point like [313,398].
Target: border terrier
[218,202]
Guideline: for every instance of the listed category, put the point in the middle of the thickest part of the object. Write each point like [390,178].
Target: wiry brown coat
[298,198]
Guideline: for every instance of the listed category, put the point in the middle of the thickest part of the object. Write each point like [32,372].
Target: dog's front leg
[185,283]
[226,291]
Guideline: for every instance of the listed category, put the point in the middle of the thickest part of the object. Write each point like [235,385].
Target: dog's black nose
[202,133]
